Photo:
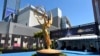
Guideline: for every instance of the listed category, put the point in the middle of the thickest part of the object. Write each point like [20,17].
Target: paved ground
[69,53]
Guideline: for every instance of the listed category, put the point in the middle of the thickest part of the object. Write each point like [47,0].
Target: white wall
[24,18]
[29,18]
[3,27]
[56,12]
[19,29]
[32,20]
[57,15]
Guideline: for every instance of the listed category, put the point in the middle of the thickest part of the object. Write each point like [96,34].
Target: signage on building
[87,29]
[9,11]
[80,30]
[12,7]
[9,14]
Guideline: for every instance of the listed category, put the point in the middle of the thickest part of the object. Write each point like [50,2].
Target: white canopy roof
[79,37]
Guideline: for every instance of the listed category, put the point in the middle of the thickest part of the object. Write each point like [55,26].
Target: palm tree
[38,36]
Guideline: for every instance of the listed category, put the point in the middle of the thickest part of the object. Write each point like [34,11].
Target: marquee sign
[80,30]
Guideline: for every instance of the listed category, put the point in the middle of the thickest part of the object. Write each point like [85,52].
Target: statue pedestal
[48,52]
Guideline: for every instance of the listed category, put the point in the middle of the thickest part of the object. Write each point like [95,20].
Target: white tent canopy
[79,37]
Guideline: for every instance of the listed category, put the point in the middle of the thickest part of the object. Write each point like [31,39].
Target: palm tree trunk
[37,43]
[41,43]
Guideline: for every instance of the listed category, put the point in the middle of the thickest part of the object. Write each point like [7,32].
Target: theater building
[83,37]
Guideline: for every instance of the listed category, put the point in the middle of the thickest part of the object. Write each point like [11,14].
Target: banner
[12,7]
[9,11]
[80,30]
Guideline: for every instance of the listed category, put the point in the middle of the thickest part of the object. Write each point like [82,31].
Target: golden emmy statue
[46,24]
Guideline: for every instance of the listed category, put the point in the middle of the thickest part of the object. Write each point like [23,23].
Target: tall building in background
[57,15]
[96,9]
[65,23]
[11,7]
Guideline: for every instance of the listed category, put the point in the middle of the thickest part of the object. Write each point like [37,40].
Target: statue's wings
[50,19]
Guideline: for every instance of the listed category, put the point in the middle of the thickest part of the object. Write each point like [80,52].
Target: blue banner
[11,8]
[9,11]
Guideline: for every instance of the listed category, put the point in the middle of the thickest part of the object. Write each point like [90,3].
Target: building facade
[21,34]
[57,16]
[15,34]
[65,23]
[27,16]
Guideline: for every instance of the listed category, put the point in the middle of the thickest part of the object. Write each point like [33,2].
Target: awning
[79,37]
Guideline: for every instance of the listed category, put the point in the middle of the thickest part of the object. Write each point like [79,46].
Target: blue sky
[78,11]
